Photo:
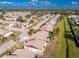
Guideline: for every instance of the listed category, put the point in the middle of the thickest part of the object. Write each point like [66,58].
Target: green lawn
[61,48]
[71,43]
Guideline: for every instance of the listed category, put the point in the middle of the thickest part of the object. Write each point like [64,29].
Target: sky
[73,4]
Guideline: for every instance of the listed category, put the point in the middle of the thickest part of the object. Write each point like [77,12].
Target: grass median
[72,47]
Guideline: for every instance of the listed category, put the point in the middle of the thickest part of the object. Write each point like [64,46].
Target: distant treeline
[55,11]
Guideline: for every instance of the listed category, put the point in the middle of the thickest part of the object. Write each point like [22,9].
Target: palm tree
[1,38]
[51,35]
[2,16]
[56,31]
[13,36]
[20,19]
[9,52]
[31,31]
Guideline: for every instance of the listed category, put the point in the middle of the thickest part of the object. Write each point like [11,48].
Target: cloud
[74,2]
[34,0]
[32,3]
[37,2]
[29,3]
[5,2]
[47,3]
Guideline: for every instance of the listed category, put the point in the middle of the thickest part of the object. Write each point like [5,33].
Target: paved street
[6,46]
